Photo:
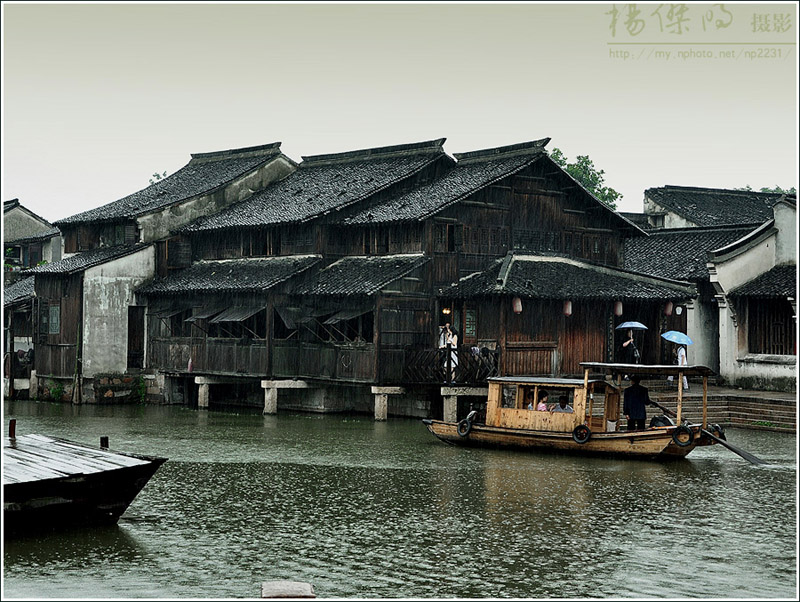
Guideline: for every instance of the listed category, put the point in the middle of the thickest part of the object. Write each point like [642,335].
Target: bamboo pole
[705,402]
[680,396]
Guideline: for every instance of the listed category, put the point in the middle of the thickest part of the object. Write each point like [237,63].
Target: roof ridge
[704,190]
[273,148]
[413,148]
[520,148]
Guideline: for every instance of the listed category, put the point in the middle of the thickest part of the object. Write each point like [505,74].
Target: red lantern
[618,308]
[568,308]
[668,308]
[516,304]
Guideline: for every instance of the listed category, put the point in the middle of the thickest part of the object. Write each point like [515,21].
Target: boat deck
[29,458]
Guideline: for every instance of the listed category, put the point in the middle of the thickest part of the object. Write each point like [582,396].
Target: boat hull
[75,501]
[651,443]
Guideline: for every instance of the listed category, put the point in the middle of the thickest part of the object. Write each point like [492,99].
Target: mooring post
[12,428]
[104,442]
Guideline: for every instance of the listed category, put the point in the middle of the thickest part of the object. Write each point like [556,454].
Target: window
[54,319]
[770,327]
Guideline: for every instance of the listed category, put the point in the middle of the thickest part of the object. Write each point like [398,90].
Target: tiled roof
[326,183]
[43,235]
[237,275]
[360,275]
[680,254]
[540,277]
[715,206]
[19,291]
[474,171]
[86,260]
[10,204]
[780,281]
[204,172]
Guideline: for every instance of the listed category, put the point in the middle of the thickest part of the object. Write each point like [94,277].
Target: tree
[585,172]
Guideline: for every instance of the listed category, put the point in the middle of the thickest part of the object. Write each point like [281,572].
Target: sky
[97,97]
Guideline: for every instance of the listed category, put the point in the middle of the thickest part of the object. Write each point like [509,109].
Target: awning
[201,313]
[235,314]
[167,312]
[289,315]
[347,314]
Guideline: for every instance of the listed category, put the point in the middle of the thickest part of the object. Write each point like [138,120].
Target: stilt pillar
[271,400]
[450,413]
[382,400]
[202,396]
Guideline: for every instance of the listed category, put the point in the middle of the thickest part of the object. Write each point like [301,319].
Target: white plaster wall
[107,293]
[51,250]
[18,223]
[750,263]
[156,226]
[671,220]
[702,326]
[786,244]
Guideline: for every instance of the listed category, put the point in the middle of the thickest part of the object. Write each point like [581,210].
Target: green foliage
[585,172]
[775,190]
[55,390]
[157,176]
[140,390]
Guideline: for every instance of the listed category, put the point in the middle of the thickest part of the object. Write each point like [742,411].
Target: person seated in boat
[530,400]
[636,398]
[563,405]
[542,405]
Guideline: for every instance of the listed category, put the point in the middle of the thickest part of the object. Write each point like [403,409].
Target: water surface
[365,509]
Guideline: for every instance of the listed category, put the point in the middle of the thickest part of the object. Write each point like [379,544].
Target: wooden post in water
[705,402]
[104,442]
[12,428]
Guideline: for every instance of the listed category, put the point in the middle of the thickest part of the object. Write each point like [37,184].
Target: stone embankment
[765,410]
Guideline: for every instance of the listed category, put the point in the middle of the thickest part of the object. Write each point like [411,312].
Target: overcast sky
[98,97]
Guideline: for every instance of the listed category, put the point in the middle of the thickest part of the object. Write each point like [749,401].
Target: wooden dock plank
[36,457]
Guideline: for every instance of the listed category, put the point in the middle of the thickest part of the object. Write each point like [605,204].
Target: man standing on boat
[636,398]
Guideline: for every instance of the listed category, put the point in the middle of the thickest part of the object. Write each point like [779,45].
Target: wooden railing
[425,366]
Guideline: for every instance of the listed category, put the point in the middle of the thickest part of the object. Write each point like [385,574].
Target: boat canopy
[651,369]
[542,380]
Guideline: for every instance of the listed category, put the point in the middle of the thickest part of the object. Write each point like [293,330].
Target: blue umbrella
[631,326]
[677,337]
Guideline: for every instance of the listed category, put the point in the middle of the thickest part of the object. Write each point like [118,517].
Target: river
[369,509]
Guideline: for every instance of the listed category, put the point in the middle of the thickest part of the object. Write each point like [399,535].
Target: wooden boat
[509,424]
[51,483]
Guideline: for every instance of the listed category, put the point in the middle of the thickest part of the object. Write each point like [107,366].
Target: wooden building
[18,339]
[87,323]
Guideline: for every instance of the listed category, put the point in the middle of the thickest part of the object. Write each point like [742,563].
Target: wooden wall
[57,353]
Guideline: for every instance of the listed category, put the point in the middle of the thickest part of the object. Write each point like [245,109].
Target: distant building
[694,207]
[28,240]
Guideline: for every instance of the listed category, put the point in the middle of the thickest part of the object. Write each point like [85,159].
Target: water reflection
[366,509]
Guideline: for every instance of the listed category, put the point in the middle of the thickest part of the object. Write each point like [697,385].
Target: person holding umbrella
[630,354]
[679,341]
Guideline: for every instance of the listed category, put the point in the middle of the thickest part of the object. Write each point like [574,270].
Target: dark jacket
[636,398]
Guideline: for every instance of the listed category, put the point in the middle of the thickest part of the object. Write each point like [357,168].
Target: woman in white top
[680,358]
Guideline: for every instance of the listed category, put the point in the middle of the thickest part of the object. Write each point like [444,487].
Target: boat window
[509,398]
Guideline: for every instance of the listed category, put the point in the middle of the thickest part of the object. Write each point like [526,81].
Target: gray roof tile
[779,282]
[237,275]
[474,171]
[326,183]
[204,172]
[715,206]
[679,254]
[540,277]
[364,275]
[21,290]
[87,259]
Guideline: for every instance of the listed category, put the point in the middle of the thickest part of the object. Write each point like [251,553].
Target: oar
[746,455]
